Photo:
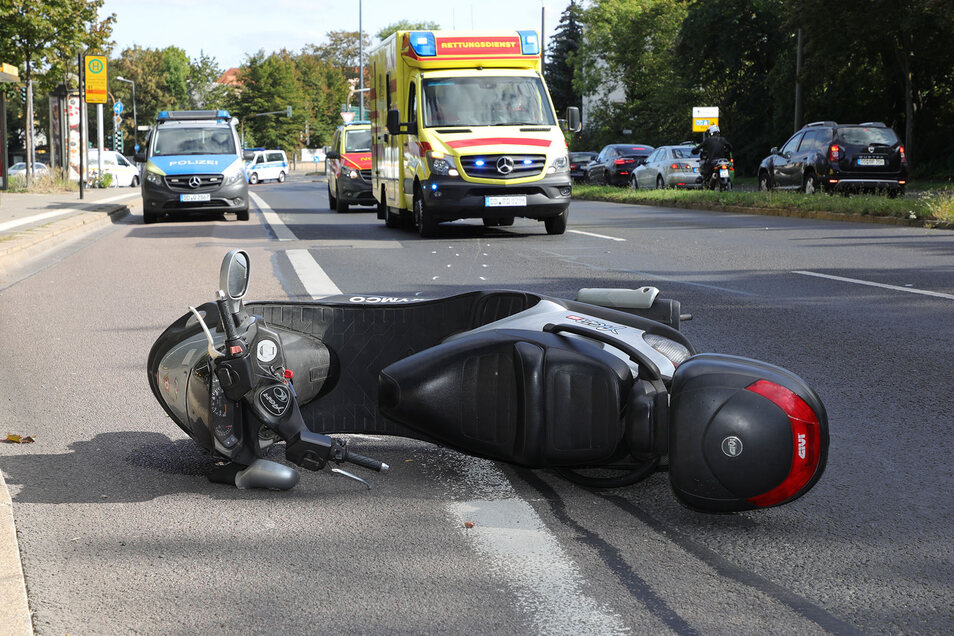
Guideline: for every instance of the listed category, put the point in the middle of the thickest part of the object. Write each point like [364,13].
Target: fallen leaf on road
[13,438]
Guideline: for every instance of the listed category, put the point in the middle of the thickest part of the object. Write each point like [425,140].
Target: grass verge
[48,183]
[933,208]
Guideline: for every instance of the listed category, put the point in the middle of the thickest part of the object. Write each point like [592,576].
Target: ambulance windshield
[486,101]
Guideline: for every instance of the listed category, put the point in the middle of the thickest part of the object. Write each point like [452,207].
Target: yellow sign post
[96,79]
[703,117]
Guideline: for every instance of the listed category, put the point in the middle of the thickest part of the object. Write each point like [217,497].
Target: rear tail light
[834,152]
[903,158]
[620,162]
[806,441]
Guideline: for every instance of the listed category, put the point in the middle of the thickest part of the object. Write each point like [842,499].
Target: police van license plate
[506,201]
[195,197]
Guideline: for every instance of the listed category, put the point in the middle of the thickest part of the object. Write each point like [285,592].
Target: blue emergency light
[423,43]
[529,43]
[479,163]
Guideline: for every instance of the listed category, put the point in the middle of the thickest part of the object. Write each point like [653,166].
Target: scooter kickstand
[352,476]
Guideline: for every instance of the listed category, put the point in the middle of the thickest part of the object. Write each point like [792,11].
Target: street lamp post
[135,124]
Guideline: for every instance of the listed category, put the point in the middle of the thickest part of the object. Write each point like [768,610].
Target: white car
[267,164]
[124,173]
[19,169]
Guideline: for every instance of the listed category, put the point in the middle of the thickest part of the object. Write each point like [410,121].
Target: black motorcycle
[605,389]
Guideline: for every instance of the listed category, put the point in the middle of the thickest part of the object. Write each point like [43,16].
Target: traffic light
[22,90]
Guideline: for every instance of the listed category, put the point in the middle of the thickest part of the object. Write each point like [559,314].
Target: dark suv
[838,158]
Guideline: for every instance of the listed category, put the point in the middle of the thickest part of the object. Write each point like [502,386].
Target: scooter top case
[364,334]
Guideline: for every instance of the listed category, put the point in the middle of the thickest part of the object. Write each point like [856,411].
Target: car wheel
[423,219]
[633,183]
[764,184]
[332,201]
[557,224]
[342,205]
[810,184]
[660,184]
[281,177]
[253,178]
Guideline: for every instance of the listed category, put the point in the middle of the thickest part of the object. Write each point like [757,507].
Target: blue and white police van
[194,164]
[267,165]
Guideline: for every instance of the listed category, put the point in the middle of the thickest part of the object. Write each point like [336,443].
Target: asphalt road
[120,532]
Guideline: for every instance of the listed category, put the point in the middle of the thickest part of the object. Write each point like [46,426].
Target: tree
[343,50]
[269,84]
[406,25]
[558,69]
[33,31]
[204,91]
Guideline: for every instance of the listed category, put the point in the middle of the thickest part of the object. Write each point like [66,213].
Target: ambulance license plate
[506,201]
[195,197]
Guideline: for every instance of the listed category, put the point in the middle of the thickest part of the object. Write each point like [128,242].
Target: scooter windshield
[486,101]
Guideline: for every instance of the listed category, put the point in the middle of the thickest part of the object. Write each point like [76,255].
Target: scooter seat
[531,398]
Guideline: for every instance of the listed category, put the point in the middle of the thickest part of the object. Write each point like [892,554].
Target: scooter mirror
[234,275]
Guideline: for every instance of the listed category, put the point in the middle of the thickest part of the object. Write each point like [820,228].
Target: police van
[194,164]
[267,165]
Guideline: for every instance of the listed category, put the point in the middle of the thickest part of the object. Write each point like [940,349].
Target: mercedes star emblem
[195,182]
[505,165]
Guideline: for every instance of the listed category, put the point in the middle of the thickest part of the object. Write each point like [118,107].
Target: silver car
[668,167]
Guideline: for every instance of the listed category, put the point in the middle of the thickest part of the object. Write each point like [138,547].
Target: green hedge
[934,207]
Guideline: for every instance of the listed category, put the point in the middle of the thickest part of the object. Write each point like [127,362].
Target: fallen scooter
[605,389]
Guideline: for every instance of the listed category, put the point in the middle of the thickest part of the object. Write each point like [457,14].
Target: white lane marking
[869,283]
[9,225]
[602,236]
[309,272]
[274,221]
[548,585]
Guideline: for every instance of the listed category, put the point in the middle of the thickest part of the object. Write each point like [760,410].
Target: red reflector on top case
[235,349]
[806,442]
[288,374]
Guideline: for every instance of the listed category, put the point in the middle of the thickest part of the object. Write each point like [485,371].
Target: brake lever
[351,475]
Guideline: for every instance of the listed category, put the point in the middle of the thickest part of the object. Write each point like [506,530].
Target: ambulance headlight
[352,174]
[441,164]
[560,164]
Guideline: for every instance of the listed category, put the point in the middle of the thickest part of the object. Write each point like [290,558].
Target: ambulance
[463,127]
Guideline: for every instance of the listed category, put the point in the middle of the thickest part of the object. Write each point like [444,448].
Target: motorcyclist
[713,147]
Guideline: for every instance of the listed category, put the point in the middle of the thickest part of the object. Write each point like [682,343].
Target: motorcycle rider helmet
[713,130]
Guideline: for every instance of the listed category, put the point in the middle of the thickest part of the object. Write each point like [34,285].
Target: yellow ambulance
[462,127]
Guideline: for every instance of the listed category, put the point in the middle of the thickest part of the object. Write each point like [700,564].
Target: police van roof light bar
[192,115]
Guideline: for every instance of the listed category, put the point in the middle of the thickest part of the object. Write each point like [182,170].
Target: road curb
[14,607]
[29,243]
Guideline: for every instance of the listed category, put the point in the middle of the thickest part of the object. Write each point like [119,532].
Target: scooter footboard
[744,434]
[531,398]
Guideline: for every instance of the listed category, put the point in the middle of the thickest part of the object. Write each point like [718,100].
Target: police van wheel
[281,177]
[332,202]
[253,178]
[423,220]
[242,215]
[148,217]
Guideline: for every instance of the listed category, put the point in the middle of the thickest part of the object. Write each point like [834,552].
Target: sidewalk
[33,223]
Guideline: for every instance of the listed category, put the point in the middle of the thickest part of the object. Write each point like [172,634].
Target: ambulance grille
[366,175]
[485,166]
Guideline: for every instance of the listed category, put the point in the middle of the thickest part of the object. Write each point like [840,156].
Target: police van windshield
[486,101]
[194,141]
[358,141]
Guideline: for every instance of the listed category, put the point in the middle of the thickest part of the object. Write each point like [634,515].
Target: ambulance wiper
[520,123]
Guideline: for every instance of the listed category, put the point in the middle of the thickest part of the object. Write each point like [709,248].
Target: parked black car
[616,162]
[835,157]
[579,162]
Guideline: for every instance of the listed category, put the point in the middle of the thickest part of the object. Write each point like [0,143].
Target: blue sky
[230,30]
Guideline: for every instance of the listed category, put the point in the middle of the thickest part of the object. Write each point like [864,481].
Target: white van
[124,172]
[267,164]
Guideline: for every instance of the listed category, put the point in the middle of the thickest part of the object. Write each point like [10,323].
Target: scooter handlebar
[367,462]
